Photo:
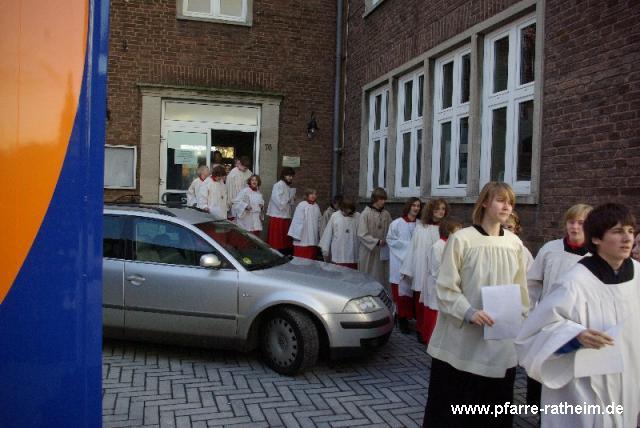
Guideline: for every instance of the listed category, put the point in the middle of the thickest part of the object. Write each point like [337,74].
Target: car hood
[324,277]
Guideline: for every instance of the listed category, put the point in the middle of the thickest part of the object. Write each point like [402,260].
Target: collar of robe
[483,232]
[408,220]
[580,250]
[605,273]
[202,179]
[376,209]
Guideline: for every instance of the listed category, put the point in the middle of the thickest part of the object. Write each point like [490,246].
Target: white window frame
[215,8]
[454,114]
[134,149]
[381,134]
[413,125]
[509,98]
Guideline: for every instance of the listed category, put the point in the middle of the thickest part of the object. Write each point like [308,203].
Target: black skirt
[449,387]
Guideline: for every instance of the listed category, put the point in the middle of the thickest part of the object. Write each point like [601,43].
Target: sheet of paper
[384,253]
[504,304]
[607,360]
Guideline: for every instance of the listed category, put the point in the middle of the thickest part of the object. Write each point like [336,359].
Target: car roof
[187,214]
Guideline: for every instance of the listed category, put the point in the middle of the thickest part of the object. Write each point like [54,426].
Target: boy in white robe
[237,180]
[333,207]
[373,225]
[304,226]
[339,242]
[399,241]
[248,206]
[216,193]
[465,367]
[280,210]
[194,189]
[554,259]
[601,292]
[414,269]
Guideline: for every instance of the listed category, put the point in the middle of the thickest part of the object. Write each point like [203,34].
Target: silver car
[179,275]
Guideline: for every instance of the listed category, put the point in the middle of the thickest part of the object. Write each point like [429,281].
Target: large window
[409,134]
[233,11]
[378,138]
[451,124]
[508,101]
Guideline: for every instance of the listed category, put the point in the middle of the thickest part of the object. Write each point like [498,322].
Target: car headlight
[363,305]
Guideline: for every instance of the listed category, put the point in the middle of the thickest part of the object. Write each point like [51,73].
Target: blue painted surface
[51,320]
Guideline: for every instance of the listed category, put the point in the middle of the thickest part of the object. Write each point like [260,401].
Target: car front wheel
[289,341]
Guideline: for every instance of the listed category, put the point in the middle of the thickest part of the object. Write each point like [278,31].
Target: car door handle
[136,279]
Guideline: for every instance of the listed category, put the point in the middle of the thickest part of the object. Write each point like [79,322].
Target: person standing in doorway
[195,188]
[237,180]
[373,226]
[217,193]
[279,211]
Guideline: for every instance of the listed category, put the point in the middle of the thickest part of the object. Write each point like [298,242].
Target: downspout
[335,153]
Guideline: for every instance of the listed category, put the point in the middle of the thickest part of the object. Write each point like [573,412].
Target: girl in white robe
[237,180]
[194,189]
[414,269]
[466,368]
[399,241]
[216,193]
[248,206]
[599,293]
[339,242]
[554,259]
[304,226]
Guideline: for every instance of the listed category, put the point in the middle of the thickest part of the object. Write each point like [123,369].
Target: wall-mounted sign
[291,161]
[185,157]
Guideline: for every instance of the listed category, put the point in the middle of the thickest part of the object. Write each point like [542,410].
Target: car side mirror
[210,261]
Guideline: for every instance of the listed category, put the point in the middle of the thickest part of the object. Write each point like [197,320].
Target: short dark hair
[257,178]
[286,171]
[337,199]
[408,204]
[347,204]
[244,160]
[377,194]
[602,218]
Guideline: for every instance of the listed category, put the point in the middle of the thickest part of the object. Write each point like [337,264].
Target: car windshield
[245,247]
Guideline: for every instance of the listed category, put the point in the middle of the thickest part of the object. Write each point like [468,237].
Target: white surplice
[304,225]
[236,180]
[217,198]
[414,265]
[373,226]
[324,220]
[340,239]
[579,301]
[399,241]
[549,265]
[428,294]
[193,193]
[281,201]
[248,219]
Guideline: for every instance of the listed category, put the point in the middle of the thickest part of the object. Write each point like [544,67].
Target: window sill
[520,199]
[214,20]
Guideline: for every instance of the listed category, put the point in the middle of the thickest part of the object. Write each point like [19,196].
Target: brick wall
[591,94]
[289,50]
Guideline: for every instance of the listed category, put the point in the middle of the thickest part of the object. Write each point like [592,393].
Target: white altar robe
[414,265]
[250,220]
[324,220]
[399,241]
[193,193]
[580,301]
[340,239]
[217,198]
[282,200]
[428,294]
[236,181]
[304,225]
[373,226]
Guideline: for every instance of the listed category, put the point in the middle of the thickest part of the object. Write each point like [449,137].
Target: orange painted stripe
[42,46]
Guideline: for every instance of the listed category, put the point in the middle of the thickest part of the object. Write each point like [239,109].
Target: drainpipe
[336,102]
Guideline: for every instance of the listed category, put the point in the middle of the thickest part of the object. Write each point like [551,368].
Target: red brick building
[443,96]
[187,77]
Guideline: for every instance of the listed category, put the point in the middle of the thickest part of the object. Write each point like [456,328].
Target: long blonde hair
[488,193]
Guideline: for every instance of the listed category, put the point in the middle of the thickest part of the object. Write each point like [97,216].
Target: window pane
[463,151]
[406,159]
[527,54]
[113,237]
[386,109]
[377,112]
[498,143]
[501,64]
[231,7]
[186,151]
[419,157]
[376,163]
[445,153]
[199,6]
[447,85]
[525,138]
[420,91]
[465,78]
[408,99]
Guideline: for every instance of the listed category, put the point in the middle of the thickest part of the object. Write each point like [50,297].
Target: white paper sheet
[384,253]
[504,304]
[607,360]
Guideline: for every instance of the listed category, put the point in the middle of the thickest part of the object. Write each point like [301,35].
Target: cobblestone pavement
[165,386]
